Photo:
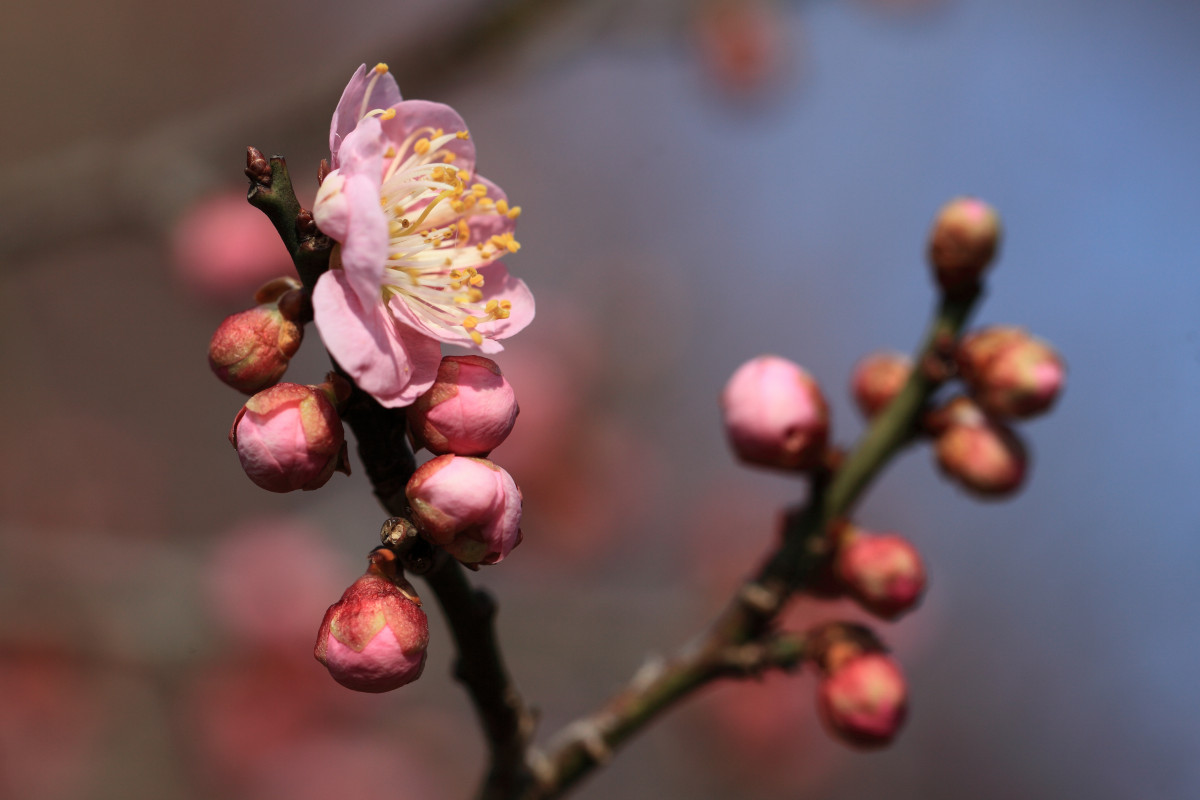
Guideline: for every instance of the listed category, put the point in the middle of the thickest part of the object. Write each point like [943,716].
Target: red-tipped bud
[775,414]
[964,239]
[878,378]
[290,437]
[468,411]
[883,573]
[1009,372]
[374,638]
[251,349]
[981,455]
[469,507]
[864,701]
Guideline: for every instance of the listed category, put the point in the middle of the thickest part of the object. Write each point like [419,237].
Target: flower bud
[864,701]
[374,638]
[469,507]
[1010,373]
[878,378]
[468,411]
[883,573]
[290,437]
[983,456]
[962,243]
[775,414]
[251,349]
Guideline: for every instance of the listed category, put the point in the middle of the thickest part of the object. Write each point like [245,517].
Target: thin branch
[389,463]
[745,623]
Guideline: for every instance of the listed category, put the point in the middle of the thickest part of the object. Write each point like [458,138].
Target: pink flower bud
[374,638]
[883,573]
[877,379]
[983,456]
[251,349]
[1009,372]
[468,411]
[962,243]
[864,702]
[468,506]
[775,414]
[290,437]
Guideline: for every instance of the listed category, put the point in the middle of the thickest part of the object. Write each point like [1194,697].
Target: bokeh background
[701,183]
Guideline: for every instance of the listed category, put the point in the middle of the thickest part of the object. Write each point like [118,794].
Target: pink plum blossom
[468,411]
[289,437]
[374,638]
[775,414]
[865,700]
[419,234]
[468,506]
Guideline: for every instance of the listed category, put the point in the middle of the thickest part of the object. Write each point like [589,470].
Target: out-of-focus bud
[251,349]
[982,455]
[374,638]
[743,44]
[775,414]
[468,411]
[864,701]
[883,573]
[1010,373]
[469,507]
[963,242]
[290,437]
[877,379]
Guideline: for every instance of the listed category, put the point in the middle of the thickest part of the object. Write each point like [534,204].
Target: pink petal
[498,284]
[392,363]
[365,247]
[414,114]
[384,94]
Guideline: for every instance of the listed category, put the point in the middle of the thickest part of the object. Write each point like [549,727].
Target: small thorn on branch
[258,168]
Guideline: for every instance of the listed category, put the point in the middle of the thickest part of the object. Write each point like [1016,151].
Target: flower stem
[746,622]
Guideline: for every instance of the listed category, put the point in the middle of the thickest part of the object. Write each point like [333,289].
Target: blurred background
[701,182]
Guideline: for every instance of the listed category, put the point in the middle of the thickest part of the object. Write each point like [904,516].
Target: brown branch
[745,624]
[388,461]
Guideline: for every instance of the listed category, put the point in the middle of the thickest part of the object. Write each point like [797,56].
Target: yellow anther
[449,157]
[491,306]
[464,230]
[390,152]
[469,322]
[475,295]
[463,175]
[514,212]
[486,202]
[463,135]
[389,114]
[438,133]
[476,280]
[381,68]
[506,241]
[479,189]
[421,147]
[475,337]
[447,262]
[501,206]
[458,205]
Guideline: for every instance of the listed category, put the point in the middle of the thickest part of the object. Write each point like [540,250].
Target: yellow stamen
[479,189]
[421,147]
[381,68]
[514,212]
[463,135]
[501,206]
[449,158]
[469,322]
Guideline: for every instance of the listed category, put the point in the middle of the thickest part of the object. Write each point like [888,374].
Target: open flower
[419,237]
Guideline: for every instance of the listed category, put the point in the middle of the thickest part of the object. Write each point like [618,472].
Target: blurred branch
[121,175]
[745,624]
[389,463]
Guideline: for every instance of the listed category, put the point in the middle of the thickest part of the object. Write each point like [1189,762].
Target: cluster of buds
[460,501]
[776,416]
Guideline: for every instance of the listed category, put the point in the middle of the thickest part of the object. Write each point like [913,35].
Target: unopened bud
[864,701]
[374,638]
[775,414]
[468,411]
[883,573]
[251,349]
[290,437]
[878,378]
[469,507]
[963,242]
[982,455]
[1010,373]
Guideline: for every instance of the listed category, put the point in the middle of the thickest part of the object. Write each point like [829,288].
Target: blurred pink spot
[224,248]
[742,44]
[327,766]
[270,579]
